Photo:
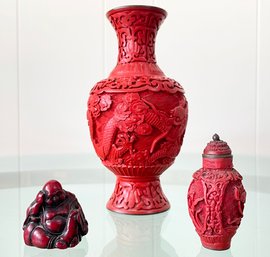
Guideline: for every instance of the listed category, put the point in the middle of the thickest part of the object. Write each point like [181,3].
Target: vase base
[219,246]
[138,196]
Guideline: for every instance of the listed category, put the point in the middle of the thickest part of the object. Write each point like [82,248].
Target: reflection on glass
[138,236]
[79,250]
[212,253]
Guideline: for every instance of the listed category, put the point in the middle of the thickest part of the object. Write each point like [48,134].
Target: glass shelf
[111,234]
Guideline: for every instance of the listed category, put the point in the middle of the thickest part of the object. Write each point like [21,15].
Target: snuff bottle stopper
[54,219]
[216,197]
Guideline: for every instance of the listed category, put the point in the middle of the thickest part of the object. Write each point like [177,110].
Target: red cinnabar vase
[216,197]
[137,117]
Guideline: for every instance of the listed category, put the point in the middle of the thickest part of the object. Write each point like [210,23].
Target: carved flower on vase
[139,107]
[105,102]
[122,111]
[94,105]
[130,124]
[99,104]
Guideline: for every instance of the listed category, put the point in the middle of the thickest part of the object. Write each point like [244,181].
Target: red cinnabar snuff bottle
[216,197]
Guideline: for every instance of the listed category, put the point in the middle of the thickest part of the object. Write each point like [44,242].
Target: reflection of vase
[209,253]
[216,197]
[138,236]
[137,117]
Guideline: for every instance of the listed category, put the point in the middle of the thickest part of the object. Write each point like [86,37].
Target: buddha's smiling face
[54,194]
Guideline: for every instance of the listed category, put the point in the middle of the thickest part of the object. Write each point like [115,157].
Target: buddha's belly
[56,224]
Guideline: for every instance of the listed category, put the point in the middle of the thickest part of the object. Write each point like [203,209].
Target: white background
[52,52]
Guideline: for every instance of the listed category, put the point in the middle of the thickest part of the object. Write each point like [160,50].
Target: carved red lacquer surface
[54,219]
[137,117]
[216,199]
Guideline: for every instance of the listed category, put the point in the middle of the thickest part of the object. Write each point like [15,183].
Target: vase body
[216,197]
[137,117]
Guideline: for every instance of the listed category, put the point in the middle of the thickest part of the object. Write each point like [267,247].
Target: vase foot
[216,243]
[138,196]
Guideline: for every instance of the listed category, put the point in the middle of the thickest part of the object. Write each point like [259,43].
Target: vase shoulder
[137,84]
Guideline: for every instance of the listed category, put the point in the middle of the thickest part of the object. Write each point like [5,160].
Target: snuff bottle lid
[217,148]
[217,154]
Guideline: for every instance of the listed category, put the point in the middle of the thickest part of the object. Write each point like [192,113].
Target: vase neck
[136,28]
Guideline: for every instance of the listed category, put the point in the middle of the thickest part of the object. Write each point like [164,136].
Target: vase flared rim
[136,7]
